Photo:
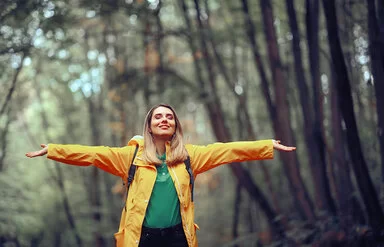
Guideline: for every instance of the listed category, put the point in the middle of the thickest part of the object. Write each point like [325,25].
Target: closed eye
[168,116]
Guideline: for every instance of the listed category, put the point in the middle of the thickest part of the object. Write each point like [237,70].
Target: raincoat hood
[136,140]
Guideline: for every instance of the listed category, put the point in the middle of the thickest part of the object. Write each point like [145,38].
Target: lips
[163,126]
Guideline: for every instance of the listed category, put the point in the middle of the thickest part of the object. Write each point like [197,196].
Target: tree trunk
[350,210]
[9,241]
[147,77]
[282,123]
[159,50]
[236,212]
[367,190]
[13,85]
[94,110]
[250,216]
[118,136]
[213,102]
[3,139]
[95,193]
[265,88]
[57,239]
[324,201]
[4,107]
[258,61]
[376,50]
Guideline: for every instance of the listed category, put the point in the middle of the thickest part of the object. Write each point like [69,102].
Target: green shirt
[164,208]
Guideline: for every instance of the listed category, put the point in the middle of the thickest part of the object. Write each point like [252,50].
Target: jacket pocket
[119,238]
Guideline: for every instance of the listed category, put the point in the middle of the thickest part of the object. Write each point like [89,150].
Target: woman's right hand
[41,152]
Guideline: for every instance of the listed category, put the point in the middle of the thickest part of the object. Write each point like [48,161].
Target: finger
[290,148]
[285,148]
[43,145]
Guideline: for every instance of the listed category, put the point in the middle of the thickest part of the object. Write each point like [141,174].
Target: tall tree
[11,90]
[95,108]
[367,190]
[3,138]
[304,207]
[312,132]
[159,40]
[350,210]
[376,49]
[282,122]
[324,199]
[5,107]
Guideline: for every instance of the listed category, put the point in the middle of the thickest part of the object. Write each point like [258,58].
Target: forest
[307,72]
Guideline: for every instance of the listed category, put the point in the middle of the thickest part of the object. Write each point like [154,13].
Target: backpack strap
[187,163]
[131,175]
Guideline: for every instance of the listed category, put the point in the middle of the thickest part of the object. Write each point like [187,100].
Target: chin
[164,137]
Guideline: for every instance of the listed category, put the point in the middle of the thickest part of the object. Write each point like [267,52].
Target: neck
[160,146]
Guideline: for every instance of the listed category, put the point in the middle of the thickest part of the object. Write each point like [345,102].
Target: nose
[164,120]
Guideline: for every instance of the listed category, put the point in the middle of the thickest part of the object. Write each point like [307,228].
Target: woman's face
[163,123]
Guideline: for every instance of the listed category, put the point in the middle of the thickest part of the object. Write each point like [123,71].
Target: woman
[159,210]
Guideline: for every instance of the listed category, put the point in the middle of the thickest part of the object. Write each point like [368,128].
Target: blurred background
[309,73]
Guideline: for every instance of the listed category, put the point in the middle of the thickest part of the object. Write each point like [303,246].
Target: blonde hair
[178,151]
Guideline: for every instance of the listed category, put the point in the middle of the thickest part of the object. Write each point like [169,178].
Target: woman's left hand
[278,146]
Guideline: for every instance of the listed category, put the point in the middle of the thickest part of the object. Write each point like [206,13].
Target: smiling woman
[159,207]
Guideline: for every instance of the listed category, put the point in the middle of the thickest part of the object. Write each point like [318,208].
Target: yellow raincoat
[118,160]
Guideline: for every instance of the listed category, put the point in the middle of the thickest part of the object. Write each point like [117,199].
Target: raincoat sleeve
[207,157]
[111,160]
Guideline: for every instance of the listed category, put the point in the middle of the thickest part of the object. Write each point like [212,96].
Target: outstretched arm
[110,159]
[207,157]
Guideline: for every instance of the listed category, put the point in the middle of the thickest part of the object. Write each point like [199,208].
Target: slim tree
[376,49]
[5,108]
[302,202]
[11,90]
[282,122]
[350,210]
[324,199]
[94,110]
